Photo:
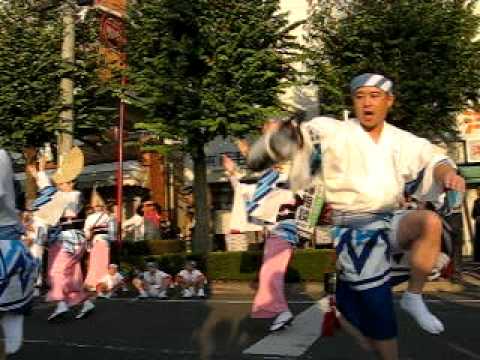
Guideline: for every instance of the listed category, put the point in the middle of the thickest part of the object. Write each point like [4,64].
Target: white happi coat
[360,175]
[364,177]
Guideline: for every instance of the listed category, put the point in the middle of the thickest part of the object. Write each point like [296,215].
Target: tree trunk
[30,182]
[201,235]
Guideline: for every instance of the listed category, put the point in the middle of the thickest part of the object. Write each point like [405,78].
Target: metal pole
[121,122]
[65,136]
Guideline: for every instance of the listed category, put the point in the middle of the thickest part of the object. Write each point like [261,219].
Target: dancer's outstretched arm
[275,146]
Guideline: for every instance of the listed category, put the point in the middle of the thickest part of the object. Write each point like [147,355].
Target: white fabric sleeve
[43,180]
[234,180]
[422,155]
[321,127]
[313,132]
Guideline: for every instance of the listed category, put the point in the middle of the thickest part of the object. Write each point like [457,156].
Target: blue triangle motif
[370,238]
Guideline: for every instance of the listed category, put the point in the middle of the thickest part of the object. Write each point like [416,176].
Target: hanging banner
[308,213]
[469,124]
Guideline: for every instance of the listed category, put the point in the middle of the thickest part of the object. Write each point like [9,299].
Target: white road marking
[296,339]
[464,351]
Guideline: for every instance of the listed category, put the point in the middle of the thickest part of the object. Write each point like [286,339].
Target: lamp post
[112,36]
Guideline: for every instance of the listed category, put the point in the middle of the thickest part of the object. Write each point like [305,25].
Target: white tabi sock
[414,305]
[12,325]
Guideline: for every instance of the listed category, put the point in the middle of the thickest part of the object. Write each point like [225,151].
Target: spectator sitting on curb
[153,282]
[111,283]
[191,280]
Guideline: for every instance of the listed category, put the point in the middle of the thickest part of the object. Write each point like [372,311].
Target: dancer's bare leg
[363,341]
[385,349]
[420,233]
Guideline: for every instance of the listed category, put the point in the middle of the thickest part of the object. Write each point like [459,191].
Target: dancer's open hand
[452,181]
[229,165]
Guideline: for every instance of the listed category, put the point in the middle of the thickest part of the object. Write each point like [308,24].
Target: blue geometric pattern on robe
[44,196]
[412,186]
[18,274]
[286,230]
[363,255]
[73,241]
[265,185]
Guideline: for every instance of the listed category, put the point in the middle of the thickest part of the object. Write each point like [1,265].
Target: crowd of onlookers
[153,282]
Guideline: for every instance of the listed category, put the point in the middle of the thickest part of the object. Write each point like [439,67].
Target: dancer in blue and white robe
[366,163]
[18,269]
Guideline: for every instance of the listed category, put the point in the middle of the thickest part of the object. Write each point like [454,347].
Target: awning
[471,173]
[105,175]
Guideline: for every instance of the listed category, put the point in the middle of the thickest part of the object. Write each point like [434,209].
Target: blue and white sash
[363,249]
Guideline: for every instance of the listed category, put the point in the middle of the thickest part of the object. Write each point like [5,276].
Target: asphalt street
[220,328]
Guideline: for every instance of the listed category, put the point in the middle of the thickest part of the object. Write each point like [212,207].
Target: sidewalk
[314,290]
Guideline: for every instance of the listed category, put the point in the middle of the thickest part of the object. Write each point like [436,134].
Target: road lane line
[162,351]
[464,351]
[44,305]
[294,340]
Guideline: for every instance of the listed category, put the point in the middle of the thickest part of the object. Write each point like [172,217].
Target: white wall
[299,97]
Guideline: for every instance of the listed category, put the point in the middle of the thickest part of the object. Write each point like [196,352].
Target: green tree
[204,68]
[30,73]
[427,47]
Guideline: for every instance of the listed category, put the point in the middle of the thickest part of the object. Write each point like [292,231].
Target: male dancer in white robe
[366,163]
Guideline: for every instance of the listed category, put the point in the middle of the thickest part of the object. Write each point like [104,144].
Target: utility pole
[65,136]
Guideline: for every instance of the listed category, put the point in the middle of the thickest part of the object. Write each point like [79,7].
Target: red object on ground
[448,271]
[330,322]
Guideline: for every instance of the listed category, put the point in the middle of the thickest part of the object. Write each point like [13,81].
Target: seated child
[191,280]
[110,283]
[153,282]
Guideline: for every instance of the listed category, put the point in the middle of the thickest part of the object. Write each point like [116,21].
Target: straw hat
[71,167]
[96,198]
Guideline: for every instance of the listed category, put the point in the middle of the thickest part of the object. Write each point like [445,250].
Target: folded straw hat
[71,167]
[96,199]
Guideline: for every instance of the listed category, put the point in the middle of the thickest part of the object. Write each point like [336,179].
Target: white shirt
[8,213]
[112,280]
[238,217]
[190,276]
[361,175]
[96,219]
[135,224]
[156,278]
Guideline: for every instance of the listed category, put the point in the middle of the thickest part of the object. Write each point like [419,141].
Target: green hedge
[153,247]
[307,265]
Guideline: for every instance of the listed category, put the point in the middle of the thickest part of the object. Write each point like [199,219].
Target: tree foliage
[30,71]
[428,47]
[204,68]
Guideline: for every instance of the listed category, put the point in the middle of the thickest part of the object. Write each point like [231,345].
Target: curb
[316,289]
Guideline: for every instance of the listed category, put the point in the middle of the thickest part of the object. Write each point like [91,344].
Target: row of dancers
[365,164]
